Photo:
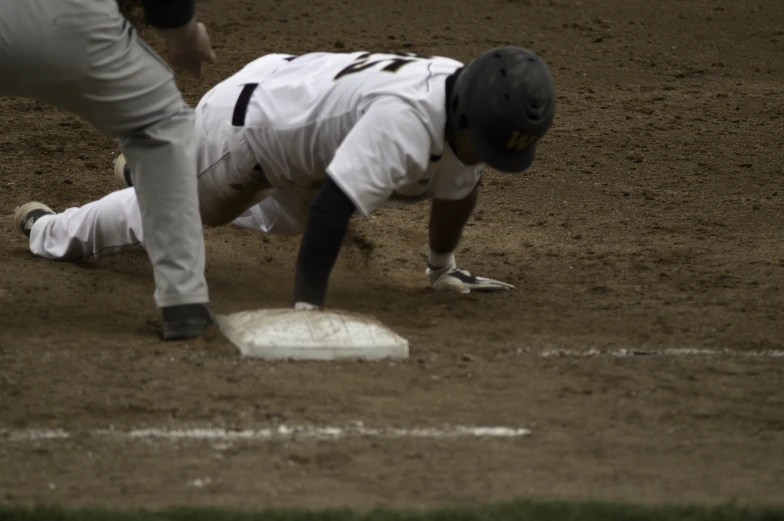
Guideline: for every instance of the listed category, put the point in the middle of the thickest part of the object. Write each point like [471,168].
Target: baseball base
[275,334]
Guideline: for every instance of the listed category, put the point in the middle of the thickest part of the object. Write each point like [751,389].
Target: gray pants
[82,57]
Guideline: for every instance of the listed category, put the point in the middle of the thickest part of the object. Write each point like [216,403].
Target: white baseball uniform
[374,123]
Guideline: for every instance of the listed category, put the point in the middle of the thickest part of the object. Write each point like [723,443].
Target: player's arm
[187,41]
[326,227]
[387,143]
[447,221]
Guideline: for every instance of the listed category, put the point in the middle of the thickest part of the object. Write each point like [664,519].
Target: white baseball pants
[230,189]
[113,224]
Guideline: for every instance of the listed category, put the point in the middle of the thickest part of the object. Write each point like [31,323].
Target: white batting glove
[451,278]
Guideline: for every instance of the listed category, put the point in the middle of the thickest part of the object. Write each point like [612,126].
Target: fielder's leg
[83,57]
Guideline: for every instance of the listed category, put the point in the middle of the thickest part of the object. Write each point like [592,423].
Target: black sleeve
[169,14]
[326,227]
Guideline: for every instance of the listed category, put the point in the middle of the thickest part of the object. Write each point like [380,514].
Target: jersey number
[363,62]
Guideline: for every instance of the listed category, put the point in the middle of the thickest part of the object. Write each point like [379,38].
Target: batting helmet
[506,100]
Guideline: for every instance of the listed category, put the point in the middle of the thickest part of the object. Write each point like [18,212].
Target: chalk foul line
[281,432]
[642,352]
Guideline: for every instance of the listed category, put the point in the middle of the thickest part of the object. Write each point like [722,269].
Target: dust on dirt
[652,218]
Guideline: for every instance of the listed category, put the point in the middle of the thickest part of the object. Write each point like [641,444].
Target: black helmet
[506,99]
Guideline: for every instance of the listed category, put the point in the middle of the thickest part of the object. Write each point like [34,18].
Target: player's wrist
[181,35]
[169,15]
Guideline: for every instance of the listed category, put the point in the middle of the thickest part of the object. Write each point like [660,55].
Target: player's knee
[290,228]
[216,218]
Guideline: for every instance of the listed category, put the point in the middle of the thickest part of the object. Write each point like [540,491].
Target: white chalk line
[281,432]
[642,352]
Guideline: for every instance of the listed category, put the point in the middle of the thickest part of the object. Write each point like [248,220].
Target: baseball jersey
[374,123]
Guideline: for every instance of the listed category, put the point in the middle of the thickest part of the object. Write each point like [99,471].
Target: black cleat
[185,321]
[26,215]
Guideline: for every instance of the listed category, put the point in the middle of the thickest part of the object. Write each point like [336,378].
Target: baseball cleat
[26,216]
[121,172]
[185,321]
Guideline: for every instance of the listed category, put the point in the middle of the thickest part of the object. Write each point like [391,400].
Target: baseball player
[83,57]
[298,144]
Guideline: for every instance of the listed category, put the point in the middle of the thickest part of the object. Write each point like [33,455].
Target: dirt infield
[651,220]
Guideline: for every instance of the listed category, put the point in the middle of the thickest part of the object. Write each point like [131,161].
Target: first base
[276,334]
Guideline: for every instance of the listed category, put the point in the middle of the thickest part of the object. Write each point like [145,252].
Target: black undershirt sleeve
[327,223]
[168,14]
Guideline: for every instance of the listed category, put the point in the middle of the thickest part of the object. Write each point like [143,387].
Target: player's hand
[451,278]
[189,47]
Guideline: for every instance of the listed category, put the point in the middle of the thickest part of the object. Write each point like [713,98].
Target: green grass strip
[514,511]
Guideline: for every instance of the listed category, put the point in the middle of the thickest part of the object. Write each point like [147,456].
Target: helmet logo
[520,141]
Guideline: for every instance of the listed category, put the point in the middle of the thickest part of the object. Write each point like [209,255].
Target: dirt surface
[652,219]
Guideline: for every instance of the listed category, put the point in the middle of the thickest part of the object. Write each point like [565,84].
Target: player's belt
[241,108]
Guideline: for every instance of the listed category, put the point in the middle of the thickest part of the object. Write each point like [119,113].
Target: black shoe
[185,321]
[26,215]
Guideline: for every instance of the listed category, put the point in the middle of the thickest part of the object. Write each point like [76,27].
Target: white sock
[441,260]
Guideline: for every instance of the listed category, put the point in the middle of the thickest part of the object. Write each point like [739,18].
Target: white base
[310,335]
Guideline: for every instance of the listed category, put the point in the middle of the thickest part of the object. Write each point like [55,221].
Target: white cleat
[28,214]
[121,172]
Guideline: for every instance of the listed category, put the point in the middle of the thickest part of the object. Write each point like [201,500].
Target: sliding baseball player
[299,144]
